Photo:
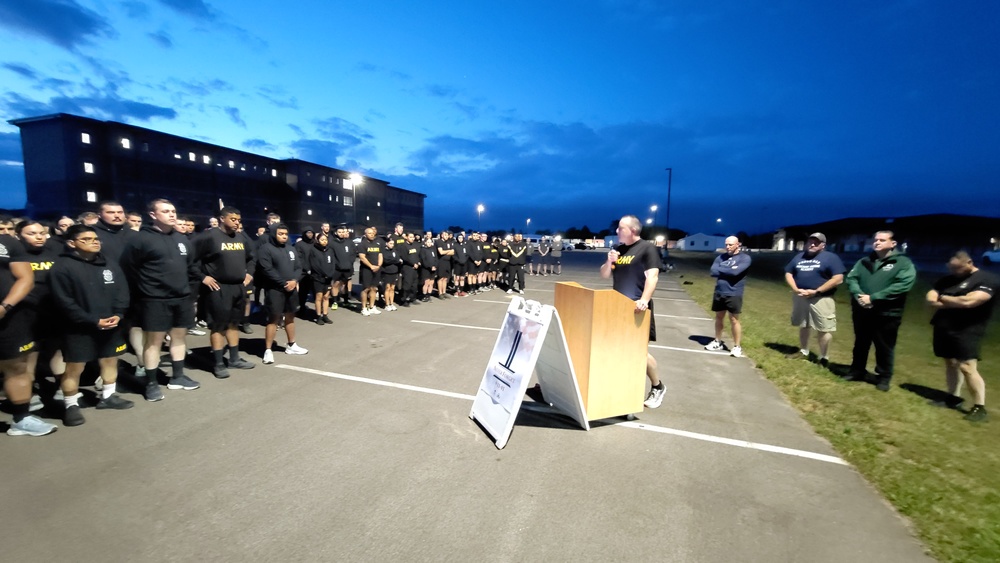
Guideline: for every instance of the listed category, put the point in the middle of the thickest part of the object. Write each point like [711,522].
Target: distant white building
[700,242]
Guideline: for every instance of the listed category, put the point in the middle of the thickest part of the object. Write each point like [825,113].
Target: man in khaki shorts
[814,275]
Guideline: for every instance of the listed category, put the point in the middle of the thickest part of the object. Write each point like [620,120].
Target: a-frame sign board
[531,340]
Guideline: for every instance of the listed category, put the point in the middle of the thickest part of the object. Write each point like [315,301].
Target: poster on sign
[514,358]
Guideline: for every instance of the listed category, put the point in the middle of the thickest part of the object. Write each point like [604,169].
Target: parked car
[991,256]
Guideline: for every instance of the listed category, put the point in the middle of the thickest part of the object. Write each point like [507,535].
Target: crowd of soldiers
[87,289]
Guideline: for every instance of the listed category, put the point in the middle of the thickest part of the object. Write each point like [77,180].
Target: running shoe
[715,345]
[31,426]
[295,350]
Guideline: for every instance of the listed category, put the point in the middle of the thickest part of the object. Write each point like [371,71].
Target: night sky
[769,112]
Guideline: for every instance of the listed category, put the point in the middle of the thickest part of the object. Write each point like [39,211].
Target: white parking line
[635,425]
[456,326]
[682,317]
[675,349]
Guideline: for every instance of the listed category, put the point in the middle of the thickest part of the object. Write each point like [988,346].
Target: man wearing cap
[814,275]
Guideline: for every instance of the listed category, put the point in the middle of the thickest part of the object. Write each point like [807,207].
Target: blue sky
[770,112]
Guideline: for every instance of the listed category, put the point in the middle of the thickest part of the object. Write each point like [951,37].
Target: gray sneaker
[219,371]
[242,363]
[73,416]
[183,382]
[153,391]
[115,402]
[30,426]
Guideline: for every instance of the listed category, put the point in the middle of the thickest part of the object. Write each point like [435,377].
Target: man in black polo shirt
[634,266]
[964,304]
[226,264]
[370,255]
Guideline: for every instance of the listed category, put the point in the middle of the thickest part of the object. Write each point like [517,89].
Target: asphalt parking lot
[363,450]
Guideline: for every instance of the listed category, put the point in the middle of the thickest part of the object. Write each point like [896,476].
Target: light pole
[355,180]
[480,208]
[670,179]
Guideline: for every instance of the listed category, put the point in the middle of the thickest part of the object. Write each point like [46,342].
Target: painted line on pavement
[635,425]
[379,382]
[675,349]
[683,317]
[674,299]
[737,443]
[488,301]
[455,326]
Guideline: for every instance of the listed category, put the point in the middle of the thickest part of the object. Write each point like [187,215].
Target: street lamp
[480,208]
[527,225]
[670,179]
[355,179]
[653,208]
[649,221]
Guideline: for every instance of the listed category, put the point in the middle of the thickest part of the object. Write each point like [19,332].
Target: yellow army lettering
[41,266]
[374,249]
[232,246]
[27,347]
[120,348]
[624,260]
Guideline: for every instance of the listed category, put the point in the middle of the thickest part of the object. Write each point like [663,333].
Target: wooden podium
[608,343]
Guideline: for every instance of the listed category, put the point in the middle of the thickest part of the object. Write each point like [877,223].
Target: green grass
[940,471]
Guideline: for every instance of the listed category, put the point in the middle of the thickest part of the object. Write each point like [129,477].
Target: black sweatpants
[878,329]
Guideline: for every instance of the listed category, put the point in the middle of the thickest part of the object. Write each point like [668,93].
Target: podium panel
[608,343]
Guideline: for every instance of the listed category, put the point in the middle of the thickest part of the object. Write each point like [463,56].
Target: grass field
[940,471]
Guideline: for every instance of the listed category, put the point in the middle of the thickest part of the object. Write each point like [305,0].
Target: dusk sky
[770,113]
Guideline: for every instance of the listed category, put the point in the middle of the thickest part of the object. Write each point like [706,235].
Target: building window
[177,155]
[309,193]
[126,144]
[92,197]
[232,164]
[206,159]
[331,197]
[85,138]
[243,167]
[378,204]
[309,212]
[88,167]
[322,178]
[348,201]
[145,147]
[274,172]
[192,157]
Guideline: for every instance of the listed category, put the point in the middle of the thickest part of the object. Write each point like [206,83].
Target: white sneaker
[715,345]
[375,311]
[366,312]
[736,352]
[295,350]
[655,396]
[509,291]
[268,357]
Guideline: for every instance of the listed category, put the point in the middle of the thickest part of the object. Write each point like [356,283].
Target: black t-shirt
[11,250]
[974,319]
[370,249]
[629,273]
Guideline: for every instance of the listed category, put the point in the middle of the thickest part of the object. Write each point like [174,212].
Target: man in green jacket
[878,284]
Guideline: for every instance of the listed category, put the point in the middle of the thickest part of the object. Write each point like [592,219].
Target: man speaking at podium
[635,266]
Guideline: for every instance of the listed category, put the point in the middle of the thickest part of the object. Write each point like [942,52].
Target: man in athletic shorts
[445,250]
[964,305]
[814,275]
[730,271]
[158,263]
[226,264]
[411,270]
[634,266]
[278,270]
[344,253]
[370,255]
[475,264]
[92,293]
[16,338]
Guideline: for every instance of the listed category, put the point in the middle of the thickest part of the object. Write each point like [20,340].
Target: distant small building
[700,242]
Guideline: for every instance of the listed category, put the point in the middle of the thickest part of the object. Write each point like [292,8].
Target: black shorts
[16,334]
[390,279]
[426,274]
[223,308]
[82,346]
[731,303]
[343,276]
[444,269]
[161,315]
[320,288]
[959,345]
[279,301]
[474,268]
[367,278]
[460,269]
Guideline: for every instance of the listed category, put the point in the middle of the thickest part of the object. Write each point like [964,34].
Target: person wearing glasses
[91,291]
[814,275]
[730,272]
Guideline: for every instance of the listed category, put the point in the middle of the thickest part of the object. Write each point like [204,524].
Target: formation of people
[879,284]
[88,289]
